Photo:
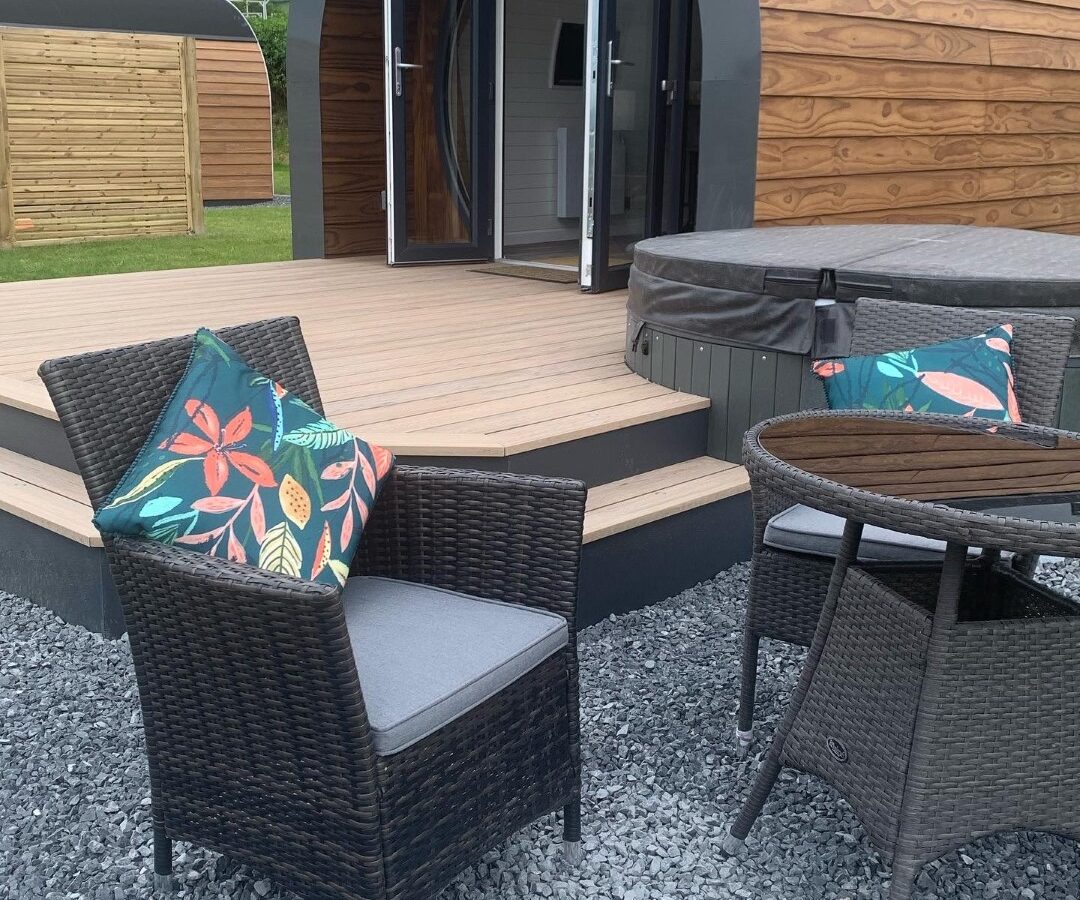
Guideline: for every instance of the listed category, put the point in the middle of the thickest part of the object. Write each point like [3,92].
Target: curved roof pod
[213,19]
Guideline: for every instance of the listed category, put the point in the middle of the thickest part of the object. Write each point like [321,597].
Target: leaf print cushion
[239,468]
[965,377]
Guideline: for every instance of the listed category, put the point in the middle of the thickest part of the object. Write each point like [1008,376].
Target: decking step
[55,499]
[48,496]
[646,498]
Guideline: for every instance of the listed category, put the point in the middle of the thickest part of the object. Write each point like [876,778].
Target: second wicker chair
[789,578]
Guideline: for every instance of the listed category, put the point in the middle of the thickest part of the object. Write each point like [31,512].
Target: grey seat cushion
[426,656]
[805,530]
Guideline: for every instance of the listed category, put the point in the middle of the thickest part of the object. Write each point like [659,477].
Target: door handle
[399,66]
[612,64]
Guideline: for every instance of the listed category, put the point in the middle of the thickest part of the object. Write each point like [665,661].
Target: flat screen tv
[569,67]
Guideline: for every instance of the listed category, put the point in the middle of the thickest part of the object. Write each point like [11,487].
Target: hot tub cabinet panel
[737,316]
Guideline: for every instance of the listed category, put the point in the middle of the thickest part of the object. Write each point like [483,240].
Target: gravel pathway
[659,690]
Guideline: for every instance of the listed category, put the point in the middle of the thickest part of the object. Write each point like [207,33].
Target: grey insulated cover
[758,287]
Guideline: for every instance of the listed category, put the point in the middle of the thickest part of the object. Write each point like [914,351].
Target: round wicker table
[942,701]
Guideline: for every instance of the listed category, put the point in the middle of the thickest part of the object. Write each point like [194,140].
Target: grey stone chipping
[659,691]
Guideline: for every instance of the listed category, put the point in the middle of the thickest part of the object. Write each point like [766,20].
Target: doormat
[533,273]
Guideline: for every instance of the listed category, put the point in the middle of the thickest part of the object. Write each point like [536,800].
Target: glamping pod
[120,117]
[555,136]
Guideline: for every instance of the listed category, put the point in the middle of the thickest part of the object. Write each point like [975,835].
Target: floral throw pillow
[237,467]
[966,377]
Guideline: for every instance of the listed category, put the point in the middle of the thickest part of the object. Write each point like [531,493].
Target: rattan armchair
[787,589]
[256,728]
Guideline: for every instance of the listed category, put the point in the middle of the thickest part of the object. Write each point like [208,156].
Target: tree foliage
[272,34]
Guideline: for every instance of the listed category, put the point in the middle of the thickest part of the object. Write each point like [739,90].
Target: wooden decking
[56,499]
[434,361]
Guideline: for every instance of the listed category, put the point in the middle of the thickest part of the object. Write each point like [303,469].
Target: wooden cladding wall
[234,121]
[98,136]
[941,111]
[353,142]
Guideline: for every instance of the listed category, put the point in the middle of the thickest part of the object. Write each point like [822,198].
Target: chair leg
[572,832]
[163,882]
[744,734]
[905,871]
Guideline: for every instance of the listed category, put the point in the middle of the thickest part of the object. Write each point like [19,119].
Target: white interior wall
[534,111]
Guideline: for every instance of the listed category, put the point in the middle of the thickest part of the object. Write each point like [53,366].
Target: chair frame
[788,589]
[256,731]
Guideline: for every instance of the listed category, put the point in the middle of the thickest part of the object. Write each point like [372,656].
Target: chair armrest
[500,536]
[250,699]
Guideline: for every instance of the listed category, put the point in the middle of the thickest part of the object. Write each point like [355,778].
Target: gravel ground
[659,690]
[279,200]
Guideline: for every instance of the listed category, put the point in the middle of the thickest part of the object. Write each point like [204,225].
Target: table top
[964,480]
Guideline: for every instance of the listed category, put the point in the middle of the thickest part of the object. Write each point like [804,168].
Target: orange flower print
[220,447]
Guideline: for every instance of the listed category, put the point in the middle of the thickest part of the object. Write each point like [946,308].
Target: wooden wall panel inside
[965,111]
[353,143]
[236,136]
[98,134]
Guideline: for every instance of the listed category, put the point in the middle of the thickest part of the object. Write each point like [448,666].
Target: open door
[625,106]
[440,129]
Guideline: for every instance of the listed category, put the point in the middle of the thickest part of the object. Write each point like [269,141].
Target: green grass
[281,178]
[236,235]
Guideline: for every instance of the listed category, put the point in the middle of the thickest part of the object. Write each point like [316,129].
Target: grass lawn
[236,235]
[281,178]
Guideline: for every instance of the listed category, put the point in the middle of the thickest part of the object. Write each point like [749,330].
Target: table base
[941,729]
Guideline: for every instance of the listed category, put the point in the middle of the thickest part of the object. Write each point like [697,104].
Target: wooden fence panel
[234,109]
[98,134]
[920,111]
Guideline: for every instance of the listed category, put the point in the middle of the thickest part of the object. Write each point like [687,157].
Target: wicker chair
[787,589]
[257,731]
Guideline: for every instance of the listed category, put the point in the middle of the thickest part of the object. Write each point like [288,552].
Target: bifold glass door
[440,129]
[626,49]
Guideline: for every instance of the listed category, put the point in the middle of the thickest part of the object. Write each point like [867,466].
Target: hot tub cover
[761,287]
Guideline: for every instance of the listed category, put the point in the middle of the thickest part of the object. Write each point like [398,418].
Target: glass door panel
[440,129]
[624,142]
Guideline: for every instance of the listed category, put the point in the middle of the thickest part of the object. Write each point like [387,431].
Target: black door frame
[481,211]
[605,277]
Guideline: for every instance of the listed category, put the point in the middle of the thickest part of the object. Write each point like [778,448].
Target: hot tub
[737,315]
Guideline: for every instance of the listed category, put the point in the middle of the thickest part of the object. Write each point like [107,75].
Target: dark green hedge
[271,33]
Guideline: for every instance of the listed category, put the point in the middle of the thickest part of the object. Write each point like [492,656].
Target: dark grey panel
[613,455]
[645,565]
[730,98]
[1070,397]
[740,385]
[217,19]
[36,437]
[719,389]
[305,129]
[599,459]
[70,579]
[684,361]
[763,389]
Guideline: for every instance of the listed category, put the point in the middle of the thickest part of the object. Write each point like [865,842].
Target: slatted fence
[98,136]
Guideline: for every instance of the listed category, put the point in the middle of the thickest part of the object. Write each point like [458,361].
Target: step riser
[601,458]
[69,578]
[35,437]
[642,566]
[626,571]
[598,459]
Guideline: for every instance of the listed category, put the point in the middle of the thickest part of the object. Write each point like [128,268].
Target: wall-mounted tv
[568,69]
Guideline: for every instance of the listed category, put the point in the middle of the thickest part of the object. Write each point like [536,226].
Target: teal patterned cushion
[239,468]
[965,377]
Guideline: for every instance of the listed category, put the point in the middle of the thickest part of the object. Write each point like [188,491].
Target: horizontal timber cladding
[98,136]
[950,111]
[235,134]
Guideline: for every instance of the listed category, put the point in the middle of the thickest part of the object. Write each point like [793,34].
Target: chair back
[108,401]
[1040,346]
